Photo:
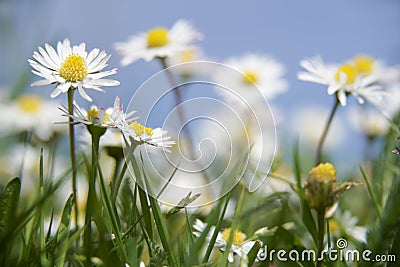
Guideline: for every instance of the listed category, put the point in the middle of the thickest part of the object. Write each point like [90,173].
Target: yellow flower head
[140,129]
[249,78]
[320,187]
[29,103]
[238,236]
[363,64]
[324,171]
[74,68]
[157,37]
[348,70]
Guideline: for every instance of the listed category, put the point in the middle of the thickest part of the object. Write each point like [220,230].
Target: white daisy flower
[254,71]
[368,121]
[102,117]
[72,68]
[308,122]
[341,80]
[369,66]
[31,113]
[191,55]
[158,42]
[143,135]
[345,223]
[240,246]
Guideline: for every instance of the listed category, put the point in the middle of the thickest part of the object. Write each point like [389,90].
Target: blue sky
[287,30]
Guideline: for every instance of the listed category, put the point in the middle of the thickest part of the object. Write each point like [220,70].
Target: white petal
[342,97]
[55,93]
[84,95]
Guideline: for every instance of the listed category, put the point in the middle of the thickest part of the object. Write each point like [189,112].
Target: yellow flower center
[140,129]
[29,103]
[157,37]
[363,64]
[324,171]
[92,114]
[74,68]
[238,236]
[188,55]
[349,71]
[249,78]
[333,227]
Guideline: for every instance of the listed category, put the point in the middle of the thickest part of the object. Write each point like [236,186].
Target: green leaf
[8,205]
[252,255]
[63,231]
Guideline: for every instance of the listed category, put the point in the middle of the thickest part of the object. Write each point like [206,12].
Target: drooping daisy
[240,246]
[255,72]
[102,117]
[72,68]
[341,80]
[31,113]
[136,132]
[158,42]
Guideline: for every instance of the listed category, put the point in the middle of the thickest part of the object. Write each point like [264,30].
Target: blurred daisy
[369,121]
[31,113]
[343,223]
[240,246]
[369,66]
[158,42]
[308,123]
[144,135]
[341,80]
[72,68]
[255,71]
[189,55]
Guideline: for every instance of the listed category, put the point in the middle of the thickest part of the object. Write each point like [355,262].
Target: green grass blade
[305,209]
[63,231]
[113,217]
[234,226]
[371,192]
[252,255]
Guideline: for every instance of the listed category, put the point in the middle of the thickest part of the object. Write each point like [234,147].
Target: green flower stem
[177,95]
[118,178]
[325,132]
[321,233]
[72,151]
[96,132]
[181,117]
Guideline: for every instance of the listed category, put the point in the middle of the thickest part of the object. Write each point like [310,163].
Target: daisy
[344,223]
[31,113]
[256,75]
[369,121]
[72,68]
[369,66]
[240,246]
[141,134]
[341,80]
[157,42]
[102,117]
[185,63]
